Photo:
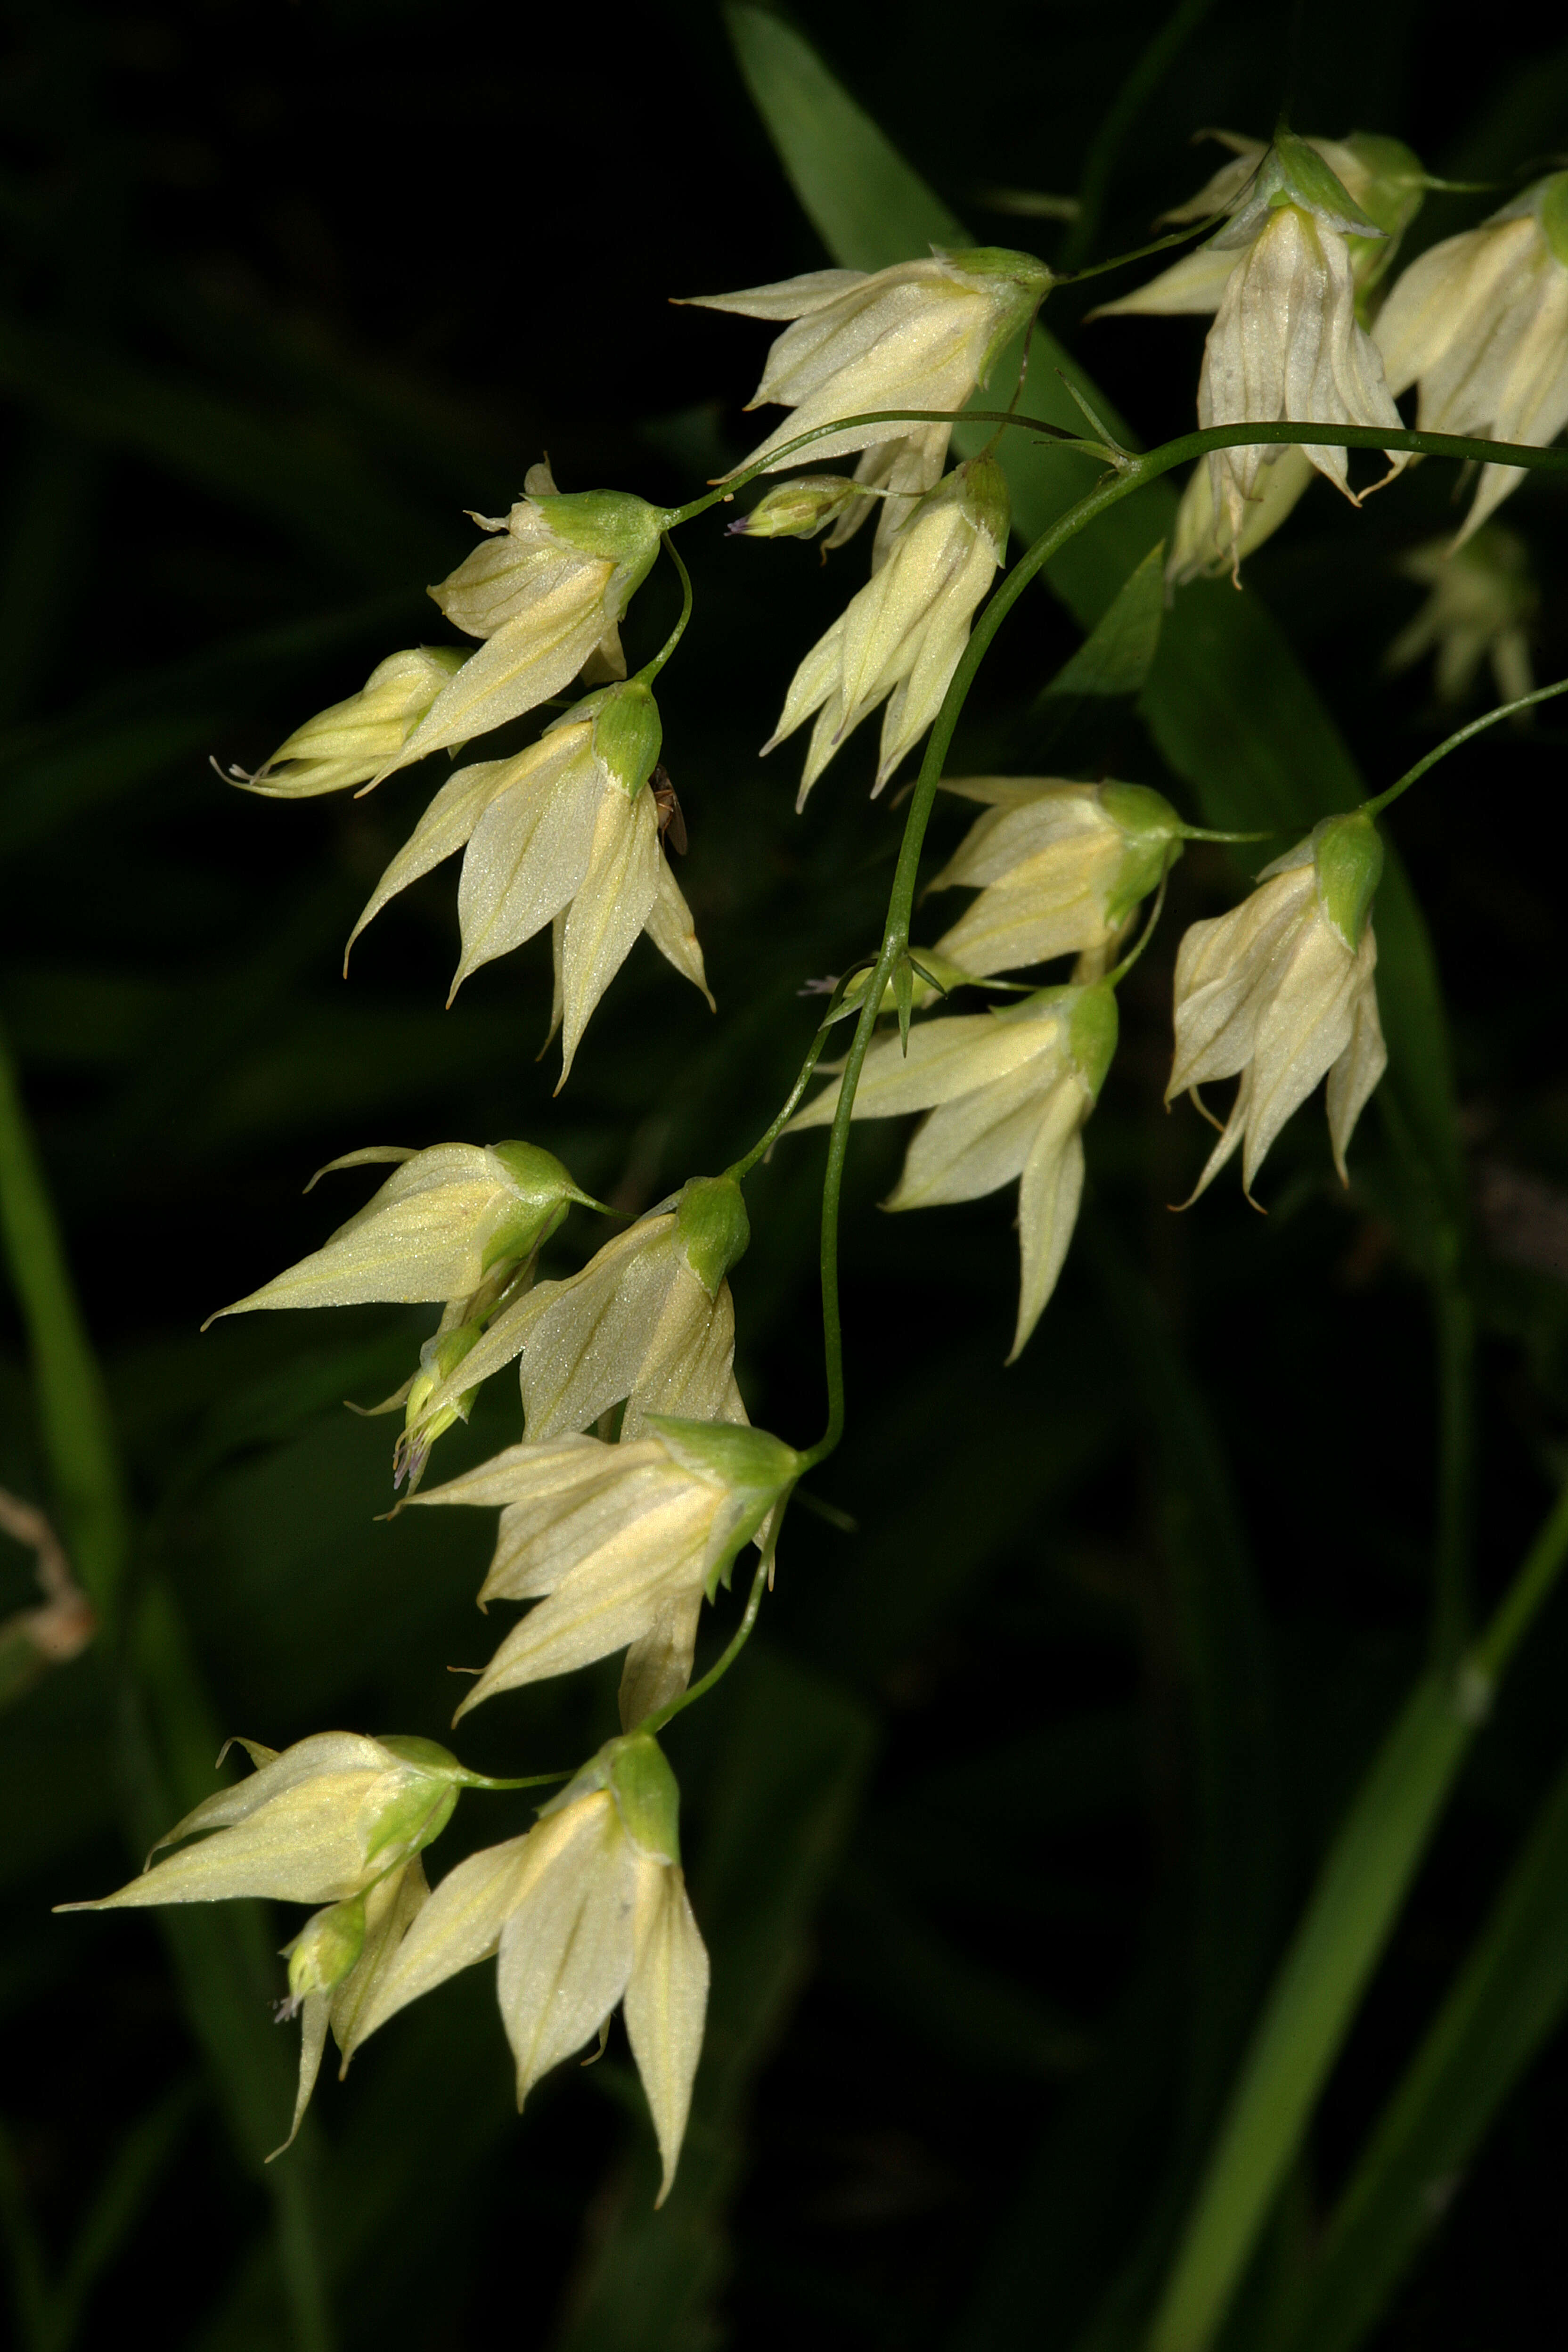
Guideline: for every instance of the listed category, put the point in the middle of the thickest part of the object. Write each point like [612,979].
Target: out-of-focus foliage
[997,1833]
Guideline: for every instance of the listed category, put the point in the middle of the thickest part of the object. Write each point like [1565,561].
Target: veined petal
[688,1366]
[1191,286]
[540,1544]
[1049,1196]
[948,1057]
[566,1948]
[792,297]
[1043,818]
[585,1346]
[530,850]
[423,1237]
[611,1597]
[1011,925]
[1226,970]
[973,1146]
[305,1846]
[1356,1073]
[1303,1031]
[669,926]
[520,667]
[462,1921]
[612,903]
[445,826]
[666,2004]
[659,1662]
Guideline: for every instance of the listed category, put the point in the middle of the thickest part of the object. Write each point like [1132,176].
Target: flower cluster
[639,1480]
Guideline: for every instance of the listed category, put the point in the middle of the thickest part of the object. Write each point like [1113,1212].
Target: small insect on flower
[671,822]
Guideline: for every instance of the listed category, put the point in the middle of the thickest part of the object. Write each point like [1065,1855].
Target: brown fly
[671,823]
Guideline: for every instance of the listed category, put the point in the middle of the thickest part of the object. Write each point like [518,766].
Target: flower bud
[354,741]
[800,508]
[318,1824]
[445,1220]
[325,1951]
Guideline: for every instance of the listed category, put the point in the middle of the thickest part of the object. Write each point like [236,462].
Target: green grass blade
[1507,2000]
[1353,1906]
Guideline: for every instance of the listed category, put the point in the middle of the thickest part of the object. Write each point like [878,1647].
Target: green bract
[712,1228]
[627,734]
[1093,1025]
[1349,854]
[614,525]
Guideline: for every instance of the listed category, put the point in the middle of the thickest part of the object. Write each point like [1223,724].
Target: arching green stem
[1451,743]
[650,670]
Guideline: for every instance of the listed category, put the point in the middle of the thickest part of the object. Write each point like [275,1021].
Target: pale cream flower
[1060,867]
[356,740]
[617,1544]
[587,1910]
[649,1321]
[1480,322]
[565,834]
[335,1964]
[923,334]
[436,1230]
[1280,992]
[546,593]
[1316,223]
[319,1823]
[1480,607]
[1008,1094]
[1383,178]
[901,638]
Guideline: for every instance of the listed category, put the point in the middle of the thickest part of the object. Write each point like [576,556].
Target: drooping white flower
[923,334]
[1060,867]
[337,1820]
[1280,992]
[565,834]
[318,1822]
[434,1229]
[587,1910]
[1481,605]
[1008,1093]
[1480,324]
[617,1545]
[901,638]
[546,593]
[649,1321]
[355,741]
[1315,224]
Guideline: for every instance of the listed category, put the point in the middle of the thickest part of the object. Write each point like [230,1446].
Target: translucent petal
[566,1948]
[1049,1196]
[462,1921]
[666,2005]
[530,850]
[612,903]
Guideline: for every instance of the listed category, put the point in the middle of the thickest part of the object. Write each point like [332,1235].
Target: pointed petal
[1049,1198]
[669,926]
[1359,1067]
[611,904]
[566,1948]
[659,1664]
[445,826]
[666,2005]
[530,850]
[462,1921]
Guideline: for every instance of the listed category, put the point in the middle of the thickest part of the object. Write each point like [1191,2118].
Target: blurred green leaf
[1506,2003]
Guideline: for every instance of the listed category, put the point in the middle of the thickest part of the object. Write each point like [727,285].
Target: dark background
[284,291]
